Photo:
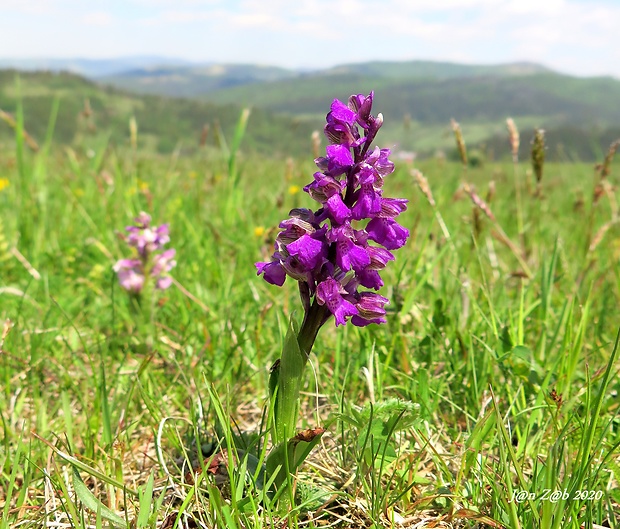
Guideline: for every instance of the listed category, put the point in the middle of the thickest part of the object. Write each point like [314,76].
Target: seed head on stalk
[538,154]
[460,141]
[513,133]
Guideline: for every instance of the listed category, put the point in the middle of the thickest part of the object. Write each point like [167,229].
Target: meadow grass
[493,385]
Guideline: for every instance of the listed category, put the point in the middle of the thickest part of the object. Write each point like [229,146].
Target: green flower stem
[313,321]
[285,383]
[144,302]
[287,377]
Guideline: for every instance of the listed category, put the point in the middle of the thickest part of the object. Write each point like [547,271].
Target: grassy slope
[551,97]
[580,115]
[163,123]
[508,371]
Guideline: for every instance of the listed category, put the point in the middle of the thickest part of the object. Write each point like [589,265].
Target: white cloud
[98,18]
[176,3]
[32,7]
[326,32]
[257,20]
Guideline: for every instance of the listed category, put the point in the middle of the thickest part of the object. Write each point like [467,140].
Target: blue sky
[577,37]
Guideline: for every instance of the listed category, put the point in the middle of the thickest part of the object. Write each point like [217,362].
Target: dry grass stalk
[423,185]
[290,167]
[604,187]
[316,143]
[600,234]
[87,111]
[426,190]
[460,141]
[477,222]
[610,191]
[6,328]
[514,139]
[478,202]
[10,121]
[204,134]
[605,168]
[31,269]
[499,233]
[490,192]
[133,132]
[538,154]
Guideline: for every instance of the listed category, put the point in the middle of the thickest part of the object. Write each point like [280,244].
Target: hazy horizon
[568,36]
[163,60]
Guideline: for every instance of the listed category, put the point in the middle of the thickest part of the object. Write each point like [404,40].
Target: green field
[489,399]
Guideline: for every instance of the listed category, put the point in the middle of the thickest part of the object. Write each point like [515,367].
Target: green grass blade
[93,503]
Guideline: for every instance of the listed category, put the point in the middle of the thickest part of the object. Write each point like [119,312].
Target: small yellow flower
[144,186]
[79,192]
[4,183]
[259,231]
[293,190]
[193,174]
[97,272]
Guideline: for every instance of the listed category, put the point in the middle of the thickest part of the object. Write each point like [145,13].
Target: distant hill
[183,81]
[202,80]
[87,110]
[434,69]
[92,68]
[438,92]
[417,98]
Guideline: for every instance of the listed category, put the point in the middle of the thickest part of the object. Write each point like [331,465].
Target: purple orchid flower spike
[149,264]
[321,250]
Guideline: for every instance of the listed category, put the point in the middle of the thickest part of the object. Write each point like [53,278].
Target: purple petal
[131,279]
[293,229]
[162,236]
[392,207]
[370,308]
[323,187]
[163,262]
[387,232]
[366,175]
[163,283]
[304,214]
[342,112]
[338,209]
[329,293]
[272,272]
[309,251]
[339,159]
[370,279]
[296,269]
[126,263]
[350,255]
[143,220]
[368,203]
[379,257]
[362,322]
[383,165]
